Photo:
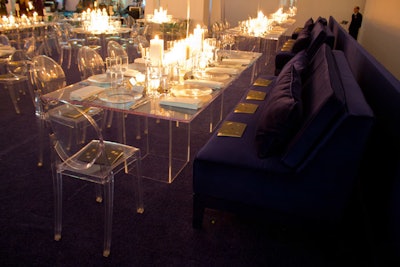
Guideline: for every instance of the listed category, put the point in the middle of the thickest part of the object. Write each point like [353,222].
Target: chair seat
[10,78]
[99,172]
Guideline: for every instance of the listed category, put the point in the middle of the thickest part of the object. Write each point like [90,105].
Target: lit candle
[156,50]
[187,17]
[198,37]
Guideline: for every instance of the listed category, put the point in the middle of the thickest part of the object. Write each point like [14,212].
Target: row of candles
[180,51]
[11,20]
[98,20]
[165,66]
[261,25]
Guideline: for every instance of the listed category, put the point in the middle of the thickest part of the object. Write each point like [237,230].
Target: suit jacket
[356,20]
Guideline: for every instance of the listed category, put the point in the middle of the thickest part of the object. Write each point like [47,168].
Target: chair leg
[57,184]
[110,118]
[14,98]
[41,126]
[99,193]
[138,133]
[108,206]
[138,186]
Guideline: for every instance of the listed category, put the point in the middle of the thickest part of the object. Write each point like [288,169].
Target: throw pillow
[281,115]
[302,41]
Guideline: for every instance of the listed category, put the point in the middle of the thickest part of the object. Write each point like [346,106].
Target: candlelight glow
[160,16]
[263,25]
[97,21]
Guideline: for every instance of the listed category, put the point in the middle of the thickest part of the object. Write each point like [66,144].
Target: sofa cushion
[309,24]
[300,61]
[302,41]
[323,101]
[318,36]
[281,115]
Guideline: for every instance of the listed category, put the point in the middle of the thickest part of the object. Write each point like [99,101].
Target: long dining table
[161,126]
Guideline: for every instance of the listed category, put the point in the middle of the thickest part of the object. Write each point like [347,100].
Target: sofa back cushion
[309,24]
[323,101]
[318,36]
[300,62]
[281,115]
[302,42]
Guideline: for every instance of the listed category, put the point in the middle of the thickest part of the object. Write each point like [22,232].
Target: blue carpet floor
[162,236]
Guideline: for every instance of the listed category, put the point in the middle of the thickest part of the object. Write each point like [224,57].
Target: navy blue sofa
[310,38]
[380,169]
[298,158]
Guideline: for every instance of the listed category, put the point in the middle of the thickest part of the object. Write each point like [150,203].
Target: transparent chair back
[89,62]
[4,40]
[16,77]
[115,49]
[96,161]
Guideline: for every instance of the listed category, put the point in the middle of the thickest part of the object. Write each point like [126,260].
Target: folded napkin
[85,92]
[131,72]
[222,70]
[206,83]
[182,102]
[241,61]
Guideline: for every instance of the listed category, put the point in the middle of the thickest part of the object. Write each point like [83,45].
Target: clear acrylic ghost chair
[16,77]
[69,43]
[95,161]
[115,49]
[4,40]
[48,76]
[90,62]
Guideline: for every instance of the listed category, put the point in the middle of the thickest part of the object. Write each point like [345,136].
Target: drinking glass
[119,92]
[124,61]
[153,80]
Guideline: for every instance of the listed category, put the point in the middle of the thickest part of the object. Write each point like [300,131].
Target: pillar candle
[156,50]
[199,37]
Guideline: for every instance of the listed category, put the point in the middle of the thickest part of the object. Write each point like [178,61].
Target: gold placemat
[231,129]
[255,95]
[73,113]
[90,153]
[246,108]
[262,82]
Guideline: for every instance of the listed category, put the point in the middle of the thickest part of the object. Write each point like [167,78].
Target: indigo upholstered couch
[380,169]
[310,38]
[298,157]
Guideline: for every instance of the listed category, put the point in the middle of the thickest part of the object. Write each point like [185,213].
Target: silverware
[140,102]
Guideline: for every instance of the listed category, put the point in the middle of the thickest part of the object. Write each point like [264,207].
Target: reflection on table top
[151,107]
[273,34]
[81,30]
[5,28]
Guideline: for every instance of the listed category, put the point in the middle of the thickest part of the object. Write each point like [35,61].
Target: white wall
[381,33]
[178,9]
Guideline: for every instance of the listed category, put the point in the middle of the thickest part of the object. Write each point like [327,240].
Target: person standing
[355,24]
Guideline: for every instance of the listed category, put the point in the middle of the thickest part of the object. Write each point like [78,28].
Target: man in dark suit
[355,24]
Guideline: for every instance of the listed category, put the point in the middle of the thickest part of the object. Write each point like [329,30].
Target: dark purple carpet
[162,236]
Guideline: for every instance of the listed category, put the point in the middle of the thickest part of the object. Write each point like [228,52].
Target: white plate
[218,77]
[119,98]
